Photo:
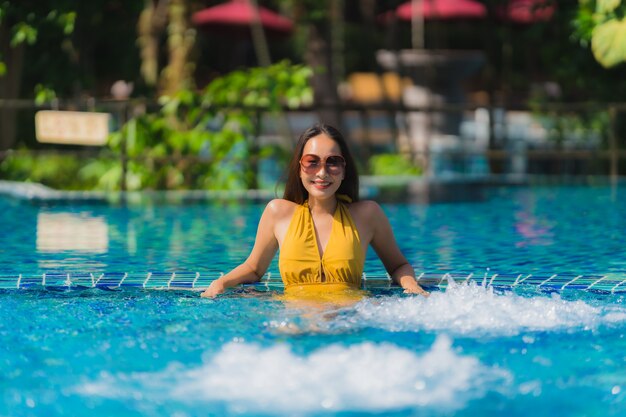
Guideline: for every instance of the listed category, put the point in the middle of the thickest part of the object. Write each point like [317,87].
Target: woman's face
[320,175]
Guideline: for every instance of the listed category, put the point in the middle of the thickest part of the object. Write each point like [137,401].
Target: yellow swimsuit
[342,263]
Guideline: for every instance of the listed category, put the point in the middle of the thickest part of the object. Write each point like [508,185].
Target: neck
[327,205]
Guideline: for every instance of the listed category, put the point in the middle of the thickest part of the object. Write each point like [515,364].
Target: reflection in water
[322,296]
[445,252]
[131,239]
[59,232]
[509,233]
[532,228]
[533,231]
[312,308]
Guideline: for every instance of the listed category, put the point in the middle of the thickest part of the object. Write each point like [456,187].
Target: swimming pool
[468,350]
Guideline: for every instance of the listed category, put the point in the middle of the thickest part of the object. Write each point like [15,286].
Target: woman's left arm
[386,247]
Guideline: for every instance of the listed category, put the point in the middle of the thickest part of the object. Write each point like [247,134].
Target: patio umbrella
[528,11]
[443,9]
[240,15]
[245,19]
[417,11]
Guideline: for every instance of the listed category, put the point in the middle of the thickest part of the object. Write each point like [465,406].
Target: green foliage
[602,23]
[579,130]
[607,6]
[196,140]
[163,148]
[25,22]
[206,140]
[281,84]
[44,94]
[608,43]
[565,57]
[583,23]
[54,170]
[67,21]
[23,33]
[392,164]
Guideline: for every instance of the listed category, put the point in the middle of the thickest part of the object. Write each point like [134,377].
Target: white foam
[367,376]
[471,309]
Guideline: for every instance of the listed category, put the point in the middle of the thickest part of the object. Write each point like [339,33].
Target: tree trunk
[318,57]
[177,75]
[259,40]
[9,87]
[149,28]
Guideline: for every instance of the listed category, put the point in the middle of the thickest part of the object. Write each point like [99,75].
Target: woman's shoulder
[367,205]
[280,207]
[367,209]
[368,216]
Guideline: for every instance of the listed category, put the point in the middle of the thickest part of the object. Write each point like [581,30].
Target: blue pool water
[465,351]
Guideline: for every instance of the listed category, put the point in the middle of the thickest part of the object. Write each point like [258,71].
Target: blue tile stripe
[186,280]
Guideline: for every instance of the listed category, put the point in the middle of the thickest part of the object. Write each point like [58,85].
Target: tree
[22,23]
[317,20]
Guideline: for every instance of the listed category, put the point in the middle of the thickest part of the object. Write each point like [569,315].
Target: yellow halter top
[342,263]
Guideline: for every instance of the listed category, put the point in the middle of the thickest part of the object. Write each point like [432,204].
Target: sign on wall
[72,127]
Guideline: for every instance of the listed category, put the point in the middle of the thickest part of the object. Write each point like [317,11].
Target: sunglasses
[311,164]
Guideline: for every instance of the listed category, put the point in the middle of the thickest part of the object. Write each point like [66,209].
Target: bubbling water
[470,309]
[364,377]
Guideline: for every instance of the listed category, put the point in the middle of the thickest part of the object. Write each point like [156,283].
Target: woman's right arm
[254,267]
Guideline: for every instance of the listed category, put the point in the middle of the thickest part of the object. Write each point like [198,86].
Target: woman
[321,227]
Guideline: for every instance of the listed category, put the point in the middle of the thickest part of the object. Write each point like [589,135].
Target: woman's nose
[322,172]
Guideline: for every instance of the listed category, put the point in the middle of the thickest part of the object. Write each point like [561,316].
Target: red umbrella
[443,9]
[240,14]
[529,11]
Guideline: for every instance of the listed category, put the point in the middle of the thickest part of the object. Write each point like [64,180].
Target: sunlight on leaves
[608,43]
[23,33]
[607,6]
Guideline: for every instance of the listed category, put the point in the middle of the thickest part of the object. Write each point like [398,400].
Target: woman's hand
[412,287]
[408,282]
[417,290]
[216,288]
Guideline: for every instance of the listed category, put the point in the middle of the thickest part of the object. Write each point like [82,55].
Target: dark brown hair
[295,191]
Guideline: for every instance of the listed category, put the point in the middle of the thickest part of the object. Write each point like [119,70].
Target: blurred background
[201,94]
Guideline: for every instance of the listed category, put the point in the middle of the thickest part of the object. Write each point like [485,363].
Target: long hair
[295,191]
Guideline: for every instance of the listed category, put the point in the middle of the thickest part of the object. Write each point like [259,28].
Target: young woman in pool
[321,227]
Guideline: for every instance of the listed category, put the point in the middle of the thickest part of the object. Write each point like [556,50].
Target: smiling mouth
[321,184]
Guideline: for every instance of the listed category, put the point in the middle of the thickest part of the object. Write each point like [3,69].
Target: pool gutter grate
[196,281]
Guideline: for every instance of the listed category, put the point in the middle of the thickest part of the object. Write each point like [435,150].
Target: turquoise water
[468,350]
